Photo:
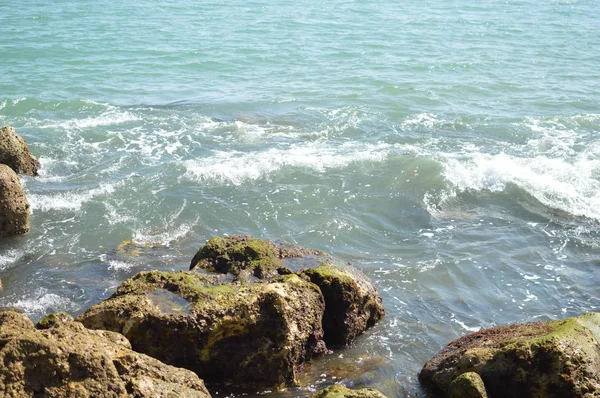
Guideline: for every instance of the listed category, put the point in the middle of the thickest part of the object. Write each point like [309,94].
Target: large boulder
[339,391]
[542,359]
[352,304]
[14,153]
[68,360]
[251,334]
[14,207]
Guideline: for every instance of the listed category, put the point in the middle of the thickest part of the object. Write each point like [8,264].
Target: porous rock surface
[68,360]
[542,359]
[352,304]
[14,153]
[14,207]
[253,334]
[339,391]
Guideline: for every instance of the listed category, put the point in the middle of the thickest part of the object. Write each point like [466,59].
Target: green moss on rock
[254,334]
[53,319]
[542,359]
[339,391]
[352,303]
[467,385]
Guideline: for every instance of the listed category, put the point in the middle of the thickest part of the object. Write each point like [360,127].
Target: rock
[68,360]
[339,391]
[352,303]
[542,359]
[253,334]
[467,385]
[15,154]
[14,207]
[53,319]
[262,258]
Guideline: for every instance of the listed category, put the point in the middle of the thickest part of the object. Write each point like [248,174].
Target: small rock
[53,319]
[467,385]
[14,153]
[339,391]
[14,207]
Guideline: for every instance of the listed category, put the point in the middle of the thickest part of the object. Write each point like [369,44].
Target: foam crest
[237,167]
[43,303]
[68,201]
[8,257]
[556,183]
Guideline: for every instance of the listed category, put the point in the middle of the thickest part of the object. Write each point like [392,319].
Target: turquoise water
[448,149]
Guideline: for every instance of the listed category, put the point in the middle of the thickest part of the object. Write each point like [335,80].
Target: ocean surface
[449,149]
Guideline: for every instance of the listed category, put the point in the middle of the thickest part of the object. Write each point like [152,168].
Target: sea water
[449,149]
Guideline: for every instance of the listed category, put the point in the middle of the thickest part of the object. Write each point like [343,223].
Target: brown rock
[68,360]
[14,153]
[14,207]
[339,391]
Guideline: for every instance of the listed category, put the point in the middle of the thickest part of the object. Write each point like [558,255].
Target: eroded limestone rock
[14,153]
[253,334]
[68,360]
[542,359]
[14,207]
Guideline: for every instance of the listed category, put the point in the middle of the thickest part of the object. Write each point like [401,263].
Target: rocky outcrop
[14,153]
[68,360]
[542,359]
[339,391]
[352,304]
[14,207]
[254,334]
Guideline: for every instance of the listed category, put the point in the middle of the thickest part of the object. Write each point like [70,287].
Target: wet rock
[339,391]
[542,359]
[467,385]
[352,303]
[262,258]
[53,319]
[68,360]
[14,207]
[252,334]
[15,154]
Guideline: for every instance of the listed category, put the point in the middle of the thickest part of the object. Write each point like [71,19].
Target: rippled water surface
[450,150]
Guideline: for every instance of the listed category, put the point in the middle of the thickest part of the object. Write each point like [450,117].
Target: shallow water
[449,150]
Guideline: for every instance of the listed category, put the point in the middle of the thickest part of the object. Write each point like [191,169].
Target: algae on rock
[339,391]
[255,334]
[542,359]
[68,360]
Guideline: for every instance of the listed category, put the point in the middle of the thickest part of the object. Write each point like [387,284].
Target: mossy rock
[14,207]
[51,320]
[241,254]
[467,385]
[352,304]
[541,359]
[14,153]
[253,335]
[68,360]
[339,391]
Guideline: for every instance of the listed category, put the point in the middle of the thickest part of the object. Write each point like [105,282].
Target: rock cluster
[339,391]
[242,315]
[542,359]
[68,360]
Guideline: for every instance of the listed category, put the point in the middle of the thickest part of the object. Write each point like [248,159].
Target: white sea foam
[43,303]
[67,200]
[237,167]
[112,116]
[8,257]
[164,238]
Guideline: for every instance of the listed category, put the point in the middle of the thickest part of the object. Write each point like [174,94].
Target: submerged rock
[542,359]
[339,391]
[255,334]
[14,207]
[14,153]
[352,303]
[68,360]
